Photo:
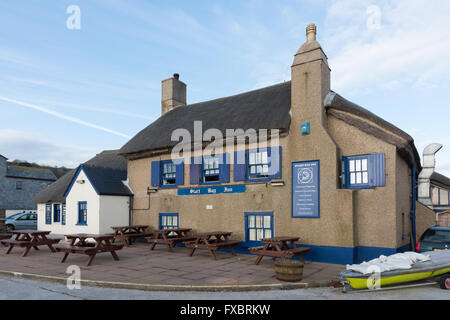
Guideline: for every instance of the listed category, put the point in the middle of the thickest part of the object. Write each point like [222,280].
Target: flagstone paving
[159,267]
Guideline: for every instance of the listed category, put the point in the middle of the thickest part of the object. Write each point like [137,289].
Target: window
[48,213]
[82,213]
[359,174]
[258,226]
[443,197]
[168,220]
[19,185]
[258,164]
[363,171]
[25,217]
[56,213]
[211,169]
[167,173]
[63,214]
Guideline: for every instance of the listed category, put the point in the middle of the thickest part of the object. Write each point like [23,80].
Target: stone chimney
[173,93]
[310,79]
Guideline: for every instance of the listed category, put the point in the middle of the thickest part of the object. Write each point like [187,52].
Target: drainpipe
[413,207]
[429,164]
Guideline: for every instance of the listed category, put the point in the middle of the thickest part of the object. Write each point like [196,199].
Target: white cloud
[32,147]
[411,48]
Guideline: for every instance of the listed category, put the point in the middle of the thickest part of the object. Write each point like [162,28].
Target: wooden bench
[297,252]
[29,239]
[89,250]
[5,236]
[170,237]
[279,247]
[130,234]
[80,245]
[212,242]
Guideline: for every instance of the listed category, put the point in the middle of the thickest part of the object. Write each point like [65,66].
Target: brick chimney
[173,93]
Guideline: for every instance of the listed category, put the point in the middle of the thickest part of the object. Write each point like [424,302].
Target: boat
[438,265]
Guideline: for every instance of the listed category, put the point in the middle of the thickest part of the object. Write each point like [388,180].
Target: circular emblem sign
[305,175]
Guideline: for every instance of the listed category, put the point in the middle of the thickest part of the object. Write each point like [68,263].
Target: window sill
[169,186]
[356,187]
[81,224]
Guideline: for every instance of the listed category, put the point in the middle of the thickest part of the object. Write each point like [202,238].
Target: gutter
[413,206]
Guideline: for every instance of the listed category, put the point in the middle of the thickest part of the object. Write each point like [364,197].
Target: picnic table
[212,241]
[79,244]
[279,247]
[129,234]
[171,237]
[29,239]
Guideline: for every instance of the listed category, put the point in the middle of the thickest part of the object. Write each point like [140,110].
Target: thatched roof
[266,108]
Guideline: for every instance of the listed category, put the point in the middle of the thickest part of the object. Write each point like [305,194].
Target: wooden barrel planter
[289,270]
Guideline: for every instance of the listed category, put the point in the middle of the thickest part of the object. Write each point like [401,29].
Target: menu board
[306,189]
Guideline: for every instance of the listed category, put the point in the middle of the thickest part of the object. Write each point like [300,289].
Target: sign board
[306,189]
[211,190]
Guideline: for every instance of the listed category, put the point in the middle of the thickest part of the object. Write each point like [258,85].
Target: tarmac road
[20,289]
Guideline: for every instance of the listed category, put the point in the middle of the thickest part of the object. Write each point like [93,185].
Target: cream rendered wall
[114,211]
[376,209]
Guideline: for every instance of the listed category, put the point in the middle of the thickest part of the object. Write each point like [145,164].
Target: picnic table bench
[4,236]
[79,244]
[212,241]
[171,237]
[29,239]
[129,234]
[279,247]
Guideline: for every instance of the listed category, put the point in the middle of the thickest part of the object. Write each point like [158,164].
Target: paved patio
[139,265]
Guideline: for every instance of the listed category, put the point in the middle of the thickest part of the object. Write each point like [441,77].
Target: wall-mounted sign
[211,190]
[305,128]
[306,189]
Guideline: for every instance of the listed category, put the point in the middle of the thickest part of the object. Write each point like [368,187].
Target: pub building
[338,176]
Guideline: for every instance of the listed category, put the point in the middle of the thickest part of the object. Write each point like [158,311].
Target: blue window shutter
[224,169]
[239,168]
[194,170]
[377,170]
[63,214]
[179,180]
[274,154]
[156,171]
[344,173]
[48,214]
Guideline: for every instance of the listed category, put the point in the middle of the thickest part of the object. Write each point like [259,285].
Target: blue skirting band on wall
[340,255]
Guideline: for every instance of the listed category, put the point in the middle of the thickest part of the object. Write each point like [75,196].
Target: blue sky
[65,94]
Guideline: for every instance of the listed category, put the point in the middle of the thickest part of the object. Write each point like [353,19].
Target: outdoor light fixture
[151,190]
[277,183]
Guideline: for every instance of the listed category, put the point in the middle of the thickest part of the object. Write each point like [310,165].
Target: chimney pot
[311,31]
[176,76]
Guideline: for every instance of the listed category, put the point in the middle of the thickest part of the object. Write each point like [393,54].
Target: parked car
[20,221]
[434,238]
